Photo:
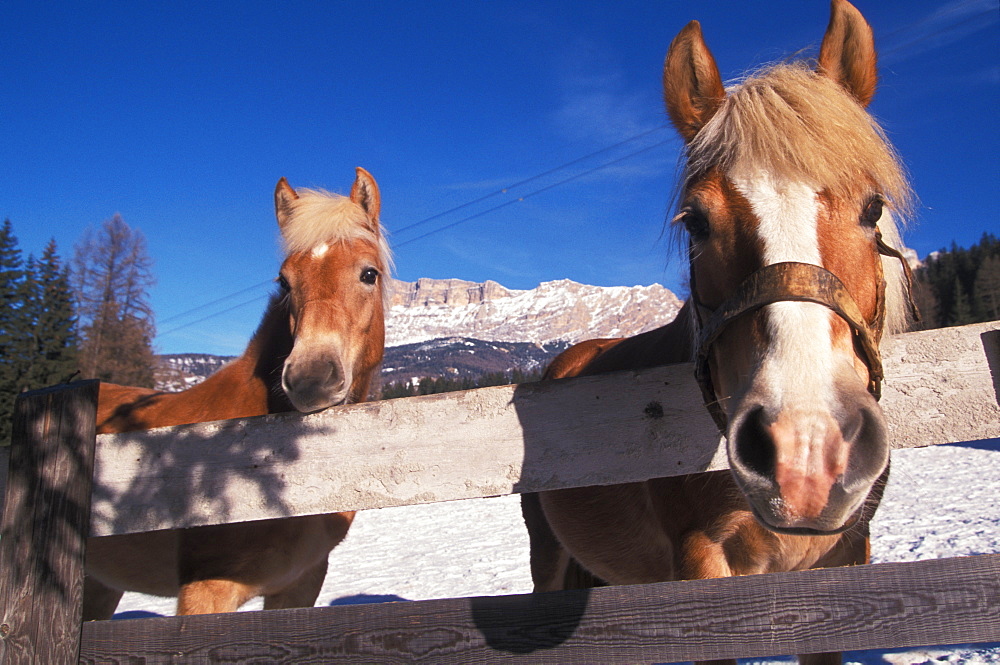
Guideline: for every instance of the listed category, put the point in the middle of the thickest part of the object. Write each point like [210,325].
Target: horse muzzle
[808,470]
[315,384]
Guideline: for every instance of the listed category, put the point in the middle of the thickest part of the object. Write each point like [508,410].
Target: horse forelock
[791,124]
[319,218]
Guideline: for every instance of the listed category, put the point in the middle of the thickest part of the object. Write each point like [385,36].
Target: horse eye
[283,283]
[873,211]
[695,222]
[369,275]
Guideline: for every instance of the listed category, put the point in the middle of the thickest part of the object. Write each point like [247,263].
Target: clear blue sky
[182,116]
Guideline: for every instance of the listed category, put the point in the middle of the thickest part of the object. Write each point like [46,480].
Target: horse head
[333,282]
[788,191]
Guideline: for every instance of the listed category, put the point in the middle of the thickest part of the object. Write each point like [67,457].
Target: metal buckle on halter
[795,282]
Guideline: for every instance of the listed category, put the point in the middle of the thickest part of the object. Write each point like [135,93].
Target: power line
[216,301]
[214,314]
[536,192]
[502,190]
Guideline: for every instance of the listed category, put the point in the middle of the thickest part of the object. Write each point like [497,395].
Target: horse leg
[213,596]
[548,558]
[215,566]
[301,593]
[99,600]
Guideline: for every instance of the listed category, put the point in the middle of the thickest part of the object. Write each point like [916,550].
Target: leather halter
[796,282]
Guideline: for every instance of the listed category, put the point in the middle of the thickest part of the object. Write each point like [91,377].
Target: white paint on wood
[493,441]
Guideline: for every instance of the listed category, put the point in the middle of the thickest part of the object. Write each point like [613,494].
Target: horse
[790,200]
[318,345]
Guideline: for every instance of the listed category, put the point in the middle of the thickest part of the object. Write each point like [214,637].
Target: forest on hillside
[958,286]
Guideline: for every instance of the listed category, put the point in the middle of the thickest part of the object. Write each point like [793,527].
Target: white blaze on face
[319,250]
[799,358]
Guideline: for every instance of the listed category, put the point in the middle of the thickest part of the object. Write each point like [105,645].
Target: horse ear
[365,193]
[848,52]
[692,86]
[283,197]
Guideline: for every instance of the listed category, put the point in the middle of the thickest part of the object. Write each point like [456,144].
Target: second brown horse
[318,345]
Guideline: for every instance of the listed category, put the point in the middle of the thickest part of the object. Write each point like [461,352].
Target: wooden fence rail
[942,388]
[945,601]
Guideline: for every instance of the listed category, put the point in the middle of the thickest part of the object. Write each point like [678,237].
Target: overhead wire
[536,192]
[503,190]
[216,301]
[220,312]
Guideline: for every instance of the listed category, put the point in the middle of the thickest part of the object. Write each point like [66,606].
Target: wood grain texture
[945,601]
[493,441]
[44,527]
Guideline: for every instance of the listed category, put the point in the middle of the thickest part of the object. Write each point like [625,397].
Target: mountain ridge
[457,328]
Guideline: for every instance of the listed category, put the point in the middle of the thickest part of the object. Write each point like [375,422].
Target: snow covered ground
[942,501]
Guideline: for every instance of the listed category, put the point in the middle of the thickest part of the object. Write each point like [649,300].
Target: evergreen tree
[111,274]
[961,311]
[12,328]
[986,290]
[926,302]
[25,345]
[958,287]
[55,326]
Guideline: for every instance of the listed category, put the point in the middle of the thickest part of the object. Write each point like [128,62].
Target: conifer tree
[55,325]
[986,290]
[926,302]
[13,326]
[961,311]
[24,345]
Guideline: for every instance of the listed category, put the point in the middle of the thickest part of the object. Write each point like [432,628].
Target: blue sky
[182,116]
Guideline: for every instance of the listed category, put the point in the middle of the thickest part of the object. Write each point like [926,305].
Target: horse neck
[255,377]
[370,363]
[681,334]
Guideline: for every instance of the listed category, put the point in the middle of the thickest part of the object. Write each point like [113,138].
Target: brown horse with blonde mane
[319,343]
[788,201]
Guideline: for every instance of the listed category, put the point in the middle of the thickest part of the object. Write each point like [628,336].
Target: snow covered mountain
[451,327]
[561,311]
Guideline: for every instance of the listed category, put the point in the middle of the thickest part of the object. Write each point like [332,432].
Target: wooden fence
[942,387]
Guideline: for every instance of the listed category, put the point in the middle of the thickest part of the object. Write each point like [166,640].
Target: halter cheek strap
[796,282]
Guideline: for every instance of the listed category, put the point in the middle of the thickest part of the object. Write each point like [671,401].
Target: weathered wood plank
[493,441]
[44,527]
[479,443]
[947,601]
[942,385]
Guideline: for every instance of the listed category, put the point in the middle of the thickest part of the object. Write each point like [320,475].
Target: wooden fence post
[45,524]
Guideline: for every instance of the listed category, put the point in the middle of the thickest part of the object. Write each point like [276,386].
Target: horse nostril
[753,445]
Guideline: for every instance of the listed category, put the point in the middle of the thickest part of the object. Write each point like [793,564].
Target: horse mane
[790,122]
[320,217]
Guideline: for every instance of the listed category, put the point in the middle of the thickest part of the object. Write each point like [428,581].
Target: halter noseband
[795,282]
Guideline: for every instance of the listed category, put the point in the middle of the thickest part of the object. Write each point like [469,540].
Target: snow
[554,311]
[941,502]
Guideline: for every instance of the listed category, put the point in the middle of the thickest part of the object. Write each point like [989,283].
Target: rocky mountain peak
[557,311]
